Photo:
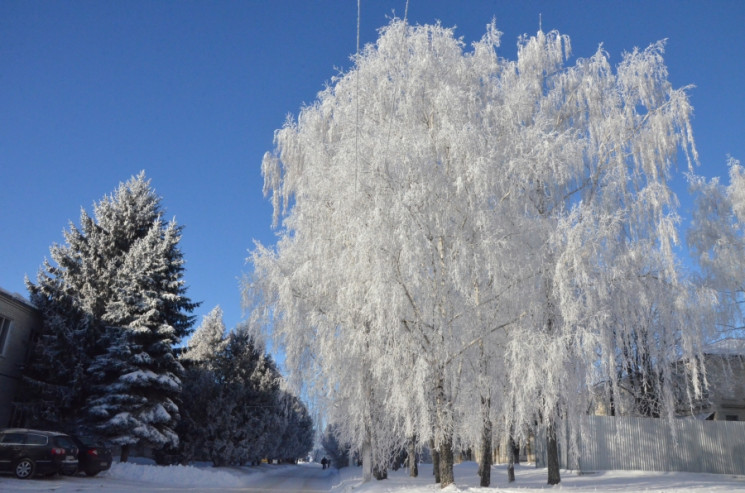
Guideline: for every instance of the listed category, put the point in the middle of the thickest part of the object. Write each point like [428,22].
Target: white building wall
[24,320]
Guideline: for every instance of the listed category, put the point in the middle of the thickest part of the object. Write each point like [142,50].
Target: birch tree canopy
[467,239]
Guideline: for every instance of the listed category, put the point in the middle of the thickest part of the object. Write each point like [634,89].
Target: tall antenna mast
[357,99]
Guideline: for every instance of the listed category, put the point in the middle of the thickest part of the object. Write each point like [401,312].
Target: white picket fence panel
[647,444]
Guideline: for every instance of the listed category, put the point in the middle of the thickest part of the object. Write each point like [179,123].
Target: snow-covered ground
[145,478]
[530,479]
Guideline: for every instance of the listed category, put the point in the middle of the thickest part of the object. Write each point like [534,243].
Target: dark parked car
[27,452]
[93,457]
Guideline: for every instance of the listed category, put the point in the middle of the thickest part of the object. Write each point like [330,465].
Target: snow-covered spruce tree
[436,201]
[199,385]
[123,272]
[234,410]
[199,393]
[137,378]
[55,377]
[207,341]
[337,453]
[71,330]
[296,427]
[244,364]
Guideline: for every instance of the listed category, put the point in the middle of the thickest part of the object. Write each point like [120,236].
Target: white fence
[627,443]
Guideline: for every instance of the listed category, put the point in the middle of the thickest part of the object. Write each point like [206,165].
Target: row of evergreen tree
[235,409]
[114,309]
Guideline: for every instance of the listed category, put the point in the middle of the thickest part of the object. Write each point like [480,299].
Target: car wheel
[25,468]
[91,473]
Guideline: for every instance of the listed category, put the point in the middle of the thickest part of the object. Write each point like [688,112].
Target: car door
[38,448]
[11,447]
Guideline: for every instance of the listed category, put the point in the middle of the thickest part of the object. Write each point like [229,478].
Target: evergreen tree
[251,382]
[337,453]
[207,340]
[138,376]
[55,376]
[297,428]
[114,305]
[234,410]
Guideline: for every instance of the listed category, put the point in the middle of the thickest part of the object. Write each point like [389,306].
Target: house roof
[728,346]
[17,298]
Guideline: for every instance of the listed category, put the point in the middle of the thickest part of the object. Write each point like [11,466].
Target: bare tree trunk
[443,408]
[435,461]
[380,472]
[511,458]
[552,450]
[485,451]
[552,446]
[447,477]
[124,457]
[367,472]
[413,459]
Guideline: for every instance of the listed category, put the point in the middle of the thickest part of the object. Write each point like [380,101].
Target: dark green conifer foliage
[114,305]
[235,409]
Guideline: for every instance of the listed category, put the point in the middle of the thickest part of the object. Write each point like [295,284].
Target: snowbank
[187,476]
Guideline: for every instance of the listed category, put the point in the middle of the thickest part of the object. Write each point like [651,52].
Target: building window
[4,334]
[731,417]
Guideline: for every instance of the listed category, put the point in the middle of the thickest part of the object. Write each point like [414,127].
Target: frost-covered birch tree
[599,148]
[384,248]
[482,237]
[717,241]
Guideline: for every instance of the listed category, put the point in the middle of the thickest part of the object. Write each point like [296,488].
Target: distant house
[724,394]
[19,321]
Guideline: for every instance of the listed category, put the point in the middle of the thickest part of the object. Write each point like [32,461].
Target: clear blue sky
[92,92]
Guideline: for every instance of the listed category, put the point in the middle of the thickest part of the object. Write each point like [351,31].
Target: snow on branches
[467,239]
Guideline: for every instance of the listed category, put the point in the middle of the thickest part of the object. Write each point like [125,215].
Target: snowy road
[294,480]
[311,478]
[129,478]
